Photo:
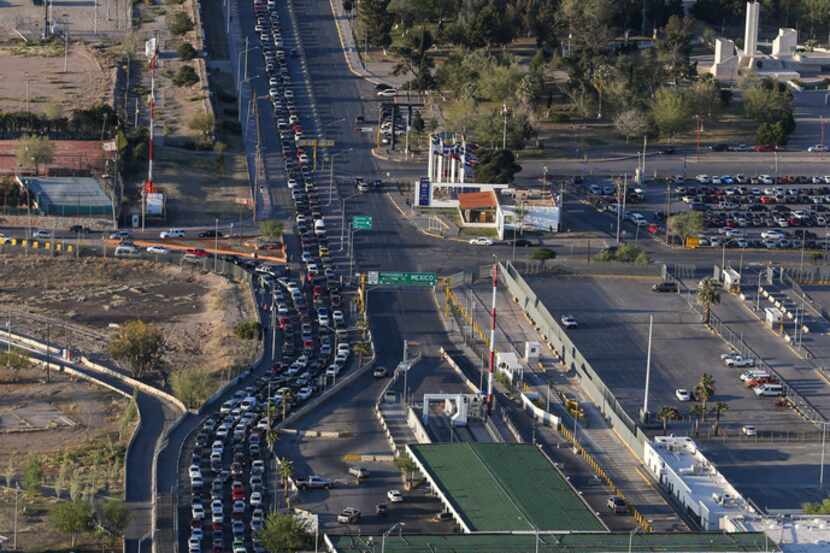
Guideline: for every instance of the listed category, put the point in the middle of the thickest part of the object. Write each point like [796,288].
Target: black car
[523,243]
[382,86]
[211,234]
[665,287]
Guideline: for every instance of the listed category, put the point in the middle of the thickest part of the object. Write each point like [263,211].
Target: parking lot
[683,349]
[739,211]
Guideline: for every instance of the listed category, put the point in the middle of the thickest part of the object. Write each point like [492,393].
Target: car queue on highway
[231,457]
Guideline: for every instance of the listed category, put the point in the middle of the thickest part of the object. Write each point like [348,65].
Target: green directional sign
[401,279]
[362,222]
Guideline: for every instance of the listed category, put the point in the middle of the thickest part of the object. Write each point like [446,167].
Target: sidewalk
[374,71]
[437,225]
[594,432]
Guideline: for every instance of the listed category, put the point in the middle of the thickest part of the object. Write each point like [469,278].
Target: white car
[304,393]
[258,466]
[158,250]
[394,496]
[683,394]
[198,511]
[256,499]
[818,148]
[337,316]
[42,234]
[172,233]
[195,471]
[748,430]
[481,241]
[388,92]
[772,235]
[740,361]
[568,321]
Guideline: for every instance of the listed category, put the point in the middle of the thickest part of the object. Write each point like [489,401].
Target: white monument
[783,63]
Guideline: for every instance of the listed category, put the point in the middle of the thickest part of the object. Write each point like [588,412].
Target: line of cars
[228,475]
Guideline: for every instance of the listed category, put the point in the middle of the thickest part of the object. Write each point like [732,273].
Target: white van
[319,227]
[769,390]
[126,251]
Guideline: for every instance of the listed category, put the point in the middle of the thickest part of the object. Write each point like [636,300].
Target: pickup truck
[314,483]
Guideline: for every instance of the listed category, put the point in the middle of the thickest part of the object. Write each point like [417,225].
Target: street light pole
[215,243]
[821,473]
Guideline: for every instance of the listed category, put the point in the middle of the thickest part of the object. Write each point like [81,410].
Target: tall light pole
[215,243]
[399,526]
[631,538]
[16,498]
[504,111]
[820,474]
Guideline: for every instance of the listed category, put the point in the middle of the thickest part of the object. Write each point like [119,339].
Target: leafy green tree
[33,475]
[72,518]
[542,255]
[271,229]
[671,111]
[34,151]
[688,223]
[185,76]
[373,23]
[822,508]
[407,466]
[586,23]
[666,414]
[675,46]
[193,386]
[489,27]
[113,517]
[817,12]
[285,533]
[706,98]
[497,166]
[186,51]
[413,54]
[141,346]
[771,134]
[247,330]
[708,293]
[179,23]
[704,390]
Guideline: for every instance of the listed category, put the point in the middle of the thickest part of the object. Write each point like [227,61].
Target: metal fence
[595,268]
[559,342]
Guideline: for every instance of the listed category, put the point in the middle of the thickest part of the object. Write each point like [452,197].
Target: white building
[792,533]
[694,481]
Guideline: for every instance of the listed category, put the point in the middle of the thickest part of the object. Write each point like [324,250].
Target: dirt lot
[93,447]
[87,82]
[108,17]
[196,311]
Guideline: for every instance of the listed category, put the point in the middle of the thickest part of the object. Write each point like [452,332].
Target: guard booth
[731,280]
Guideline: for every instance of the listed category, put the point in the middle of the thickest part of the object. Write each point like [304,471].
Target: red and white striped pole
[148,184]
[492,341]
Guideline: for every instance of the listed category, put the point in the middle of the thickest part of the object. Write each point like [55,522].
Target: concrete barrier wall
[414,422]
[557,339]
[146,388]
[548,419]
[457,369]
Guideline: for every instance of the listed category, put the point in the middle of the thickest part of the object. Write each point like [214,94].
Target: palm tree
[667,414]
[286,472]
[287,398]
[708,294]
[704,390]
[720,408]
[696,411]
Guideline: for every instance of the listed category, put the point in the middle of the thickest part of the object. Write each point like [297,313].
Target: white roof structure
[676,462]
[793,533]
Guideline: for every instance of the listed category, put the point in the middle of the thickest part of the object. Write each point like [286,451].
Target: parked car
[683,394]
[617,504]
[665,287]
[568,321]
[394,496]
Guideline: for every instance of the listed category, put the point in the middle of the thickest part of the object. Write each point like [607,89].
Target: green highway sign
[362,222]
[401,279]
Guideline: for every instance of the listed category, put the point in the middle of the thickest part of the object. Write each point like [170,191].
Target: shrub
[186,51]
[247,330]
[186,76]
[180,23]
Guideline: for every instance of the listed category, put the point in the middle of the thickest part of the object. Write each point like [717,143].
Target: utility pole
[668,211]
[644,413]
[504,112]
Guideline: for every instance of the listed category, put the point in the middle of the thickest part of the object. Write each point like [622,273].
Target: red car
[198,252]
[765,148]
[238,491]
